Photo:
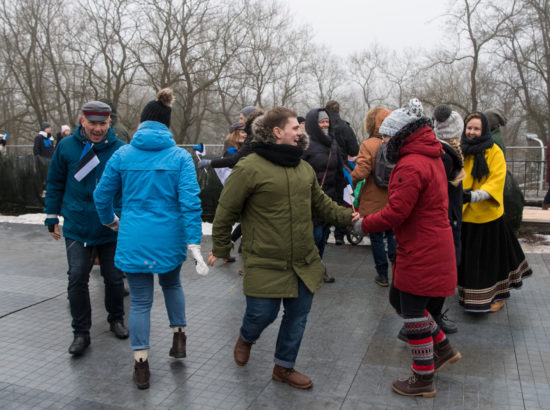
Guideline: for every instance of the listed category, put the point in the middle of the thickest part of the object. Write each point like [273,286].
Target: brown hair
[234,137]
[332,106]
[277,117]
[471,117]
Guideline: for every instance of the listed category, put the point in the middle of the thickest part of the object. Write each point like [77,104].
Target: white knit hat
[451,127]
[401,117]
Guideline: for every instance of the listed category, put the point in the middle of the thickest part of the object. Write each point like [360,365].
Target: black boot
[178,349]
[141,374]
[382,280]
[79,344]
[446,324]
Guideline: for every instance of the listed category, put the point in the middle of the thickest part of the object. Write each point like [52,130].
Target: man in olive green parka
[276,195]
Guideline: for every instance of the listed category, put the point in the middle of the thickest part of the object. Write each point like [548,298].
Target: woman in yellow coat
[492,258]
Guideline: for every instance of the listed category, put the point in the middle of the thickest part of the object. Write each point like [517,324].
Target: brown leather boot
[141,374]
[241,353]
[415,385]
[445,353]
[178,345]
[291,377]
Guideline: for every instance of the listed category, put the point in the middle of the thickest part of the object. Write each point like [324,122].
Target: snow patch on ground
[533,243]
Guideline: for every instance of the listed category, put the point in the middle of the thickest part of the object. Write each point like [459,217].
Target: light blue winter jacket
[161,209]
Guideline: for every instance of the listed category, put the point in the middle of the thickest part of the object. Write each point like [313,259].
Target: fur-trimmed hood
[373,120]
[264,134]
[250,120]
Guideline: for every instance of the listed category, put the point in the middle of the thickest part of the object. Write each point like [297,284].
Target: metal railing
[526,163]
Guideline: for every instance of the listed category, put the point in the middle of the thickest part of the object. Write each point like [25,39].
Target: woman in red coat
[425,264]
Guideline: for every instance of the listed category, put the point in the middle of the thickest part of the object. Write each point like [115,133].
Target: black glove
[51,228]
[467,196]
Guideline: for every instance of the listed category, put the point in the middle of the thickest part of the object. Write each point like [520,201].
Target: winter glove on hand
[203,163]
[467,196]
[114,225]
[200,265]
[357,226]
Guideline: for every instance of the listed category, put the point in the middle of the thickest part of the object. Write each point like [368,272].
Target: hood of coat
[421,141]
[374,119]
[152,136]
[250,120]
[106,142]
[315,132]
[264,134]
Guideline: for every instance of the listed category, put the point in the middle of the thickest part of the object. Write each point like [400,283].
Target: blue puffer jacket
[74,200]
[161,209]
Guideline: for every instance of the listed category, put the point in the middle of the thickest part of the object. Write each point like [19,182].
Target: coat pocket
[256,261]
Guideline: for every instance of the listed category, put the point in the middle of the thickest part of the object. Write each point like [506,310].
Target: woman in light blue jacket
[161,217]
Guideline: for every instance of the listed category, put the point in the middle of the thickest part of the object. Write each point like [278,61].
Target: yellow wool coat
[493,183]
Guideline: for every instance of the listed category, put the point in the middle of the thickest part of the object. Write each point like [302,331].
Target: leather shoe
[141,374]
[291,377]
[241,352]
[446,324]
[79,344]
[119,329]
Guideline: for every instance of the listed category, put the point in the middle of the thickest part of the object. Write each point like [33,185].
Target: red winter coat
[417,213]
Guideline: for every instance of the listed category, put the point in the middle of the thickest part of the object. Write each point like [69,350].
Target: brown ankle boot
[141,374]
[241,353]
[415,385]
[291,377]
[178,345]
[445,353]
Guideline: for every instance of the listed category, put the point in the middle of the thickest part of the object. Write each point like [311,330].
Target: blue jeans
[142,287]
[260,312]
[81,260]
[320,236]
[379,251]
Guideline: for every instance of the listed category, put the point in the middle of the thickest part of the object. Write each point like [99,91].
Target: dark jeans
[379,251]
[320,236]
[260,312]
[547,197]
[81,260]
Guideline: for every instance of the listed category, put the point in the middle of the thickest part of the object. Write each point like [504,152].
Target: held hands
[200,266]
[357,226]
[212,259]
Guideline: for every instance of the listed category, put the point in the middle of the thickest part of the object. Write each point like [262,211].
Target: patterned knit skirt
[492,263]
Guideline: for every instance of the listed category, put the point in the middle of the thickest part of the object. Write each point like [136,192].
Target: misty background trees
[222,55]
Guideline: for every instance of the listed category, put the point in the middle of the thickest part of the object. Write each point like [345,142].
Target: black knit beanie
[159,110]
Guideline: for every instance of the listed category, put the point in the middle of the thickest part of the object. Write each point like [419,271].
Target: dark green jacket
[275,205]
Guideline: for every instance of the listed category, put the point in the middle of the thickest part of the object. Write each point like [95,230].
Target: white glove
[200,265]
[357,226]
[114,225]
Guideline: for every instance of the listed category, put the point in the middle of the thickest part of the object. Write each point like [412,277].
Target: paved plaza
[350,349]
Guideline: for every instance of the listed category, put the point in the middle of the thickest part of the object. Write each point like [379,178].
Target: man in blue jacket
[74,172]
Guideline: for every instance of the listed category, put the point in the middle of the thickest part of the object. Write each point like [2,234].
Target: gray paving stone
[350,349]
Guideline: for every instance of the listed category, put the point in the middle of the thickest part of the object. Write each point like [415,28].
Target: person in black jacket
[43,142]
[324,155]
[349,148]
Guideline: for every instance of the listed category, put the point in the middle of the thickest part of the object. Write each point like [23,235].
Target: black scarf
[280,154]
[477,147]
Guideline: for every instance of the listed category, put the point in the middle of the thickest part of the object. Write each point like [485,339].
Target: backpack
[382,167]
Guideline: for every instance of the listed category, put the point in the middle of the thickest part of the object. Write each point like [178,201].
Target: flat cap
[96,111]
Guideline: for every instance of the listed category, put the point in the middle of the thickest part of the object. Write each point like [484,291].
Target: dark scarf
[395,142]
[280,154]
[477,147]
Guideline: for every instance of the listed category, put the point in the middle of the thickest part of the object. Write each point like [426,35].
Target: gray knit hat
[246,111]
[447,126]
[401,117]
[321,115]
